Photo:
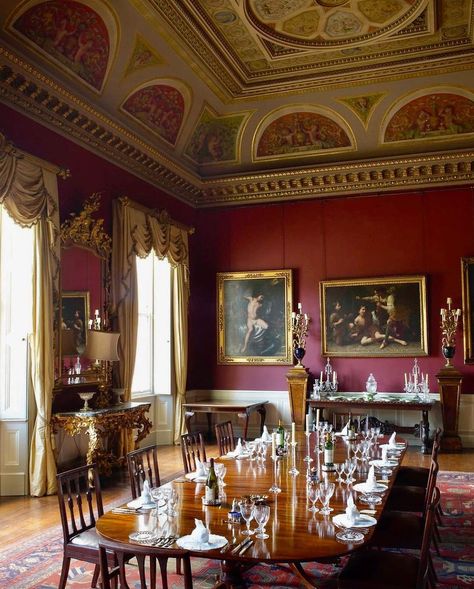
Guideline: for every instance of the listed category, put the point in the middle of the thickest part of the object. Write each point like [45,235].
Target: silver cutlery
[240,545]
[245,547]
[227,547]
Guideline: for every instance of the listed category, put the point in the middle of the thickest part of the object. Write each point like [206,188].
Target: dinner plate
[137,504]
[382,464]
[189,543]
[362,487]
[192,476]
[363,521]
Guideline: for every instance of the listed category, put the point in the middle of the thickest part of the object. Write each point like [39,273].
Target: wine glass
[261,514]
[326,491]
[172,496]
[262,451]
[221,470]
[246,511]
[313,496]
[350,466]
[157,495]
[339,466]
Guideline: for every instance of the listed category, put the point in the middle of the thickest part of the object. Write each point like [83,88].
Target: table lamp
[68,347]
[102,347]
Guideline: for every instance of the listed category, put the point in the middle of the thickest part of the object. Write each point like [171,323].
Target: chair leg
[95,576]
[152,572]
[178,566]
[64,572]
[432,570]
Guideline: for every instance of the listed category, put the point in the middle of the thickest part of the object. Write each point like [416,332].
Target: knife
[227,547]
[240,545]
[245,547]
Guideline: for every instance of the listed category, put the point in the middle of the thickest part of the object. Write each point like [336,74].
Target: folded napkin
[371,482]
[384,453]
[145,499]
[239,450]
[345,429]
[266,437]
[392,441]
[200,469]
[352,513]
[200,534]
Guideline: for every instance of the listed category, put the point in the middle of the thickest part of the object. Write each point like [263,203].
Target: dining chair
[143,466]
[417,476]
[192,447]
[80,506]
[372,569]
[122,553]
[225,437]
[339,420]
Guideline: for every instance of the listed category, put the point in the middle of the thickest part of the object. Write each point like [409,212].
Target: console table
[100,424]
[243,411]
[398,402]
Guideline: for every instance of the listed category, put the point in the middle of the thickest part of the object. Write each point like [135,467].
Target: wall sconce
[449,325]
[299,329]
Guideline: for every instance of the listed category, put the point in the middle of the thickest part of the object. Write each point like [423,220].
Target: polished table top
[296,534]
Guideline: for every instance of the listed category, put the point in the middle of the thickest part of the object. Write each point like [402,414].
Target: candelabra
[416,382]
[299,329]
[449,324]
[327,383]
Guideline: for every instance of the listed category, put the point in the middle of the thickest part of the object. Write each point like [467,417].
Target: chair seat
[415,476]
[406,498]
[88,538]
[398,529]
[374,570]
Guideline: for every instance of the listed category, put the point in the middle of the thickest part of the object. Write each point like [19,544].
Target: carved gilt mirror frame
[84,231]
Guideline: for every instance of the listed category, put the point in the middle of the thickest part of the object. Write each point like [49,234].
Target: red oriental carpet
[37,563]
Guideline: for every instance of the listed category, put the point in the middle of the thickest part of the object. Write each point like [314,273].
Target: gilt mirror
[85,288]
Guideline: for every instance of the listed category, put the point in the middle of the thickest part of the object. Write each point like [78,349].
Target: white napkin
[200,470]
[392,443]
[384,454]
[200,534]
[352,513]
[145,496]
[239,450]
[371,482]
[266,437]
[345,429]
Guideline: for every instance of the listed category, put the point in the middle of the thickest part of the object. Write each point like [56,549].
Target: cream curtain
[29,193]
[135,233]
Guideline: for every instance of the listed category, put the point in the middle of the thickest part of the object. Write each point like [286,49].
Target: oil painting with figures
[374,317]
[254,311]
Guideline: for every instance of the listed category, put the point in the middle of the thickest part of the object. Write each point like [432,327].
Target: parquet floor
[23,516]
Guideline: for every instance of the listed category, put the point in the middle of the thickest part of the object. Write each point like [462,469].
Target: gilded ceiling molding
[28,91]
[363,106]
[143,56]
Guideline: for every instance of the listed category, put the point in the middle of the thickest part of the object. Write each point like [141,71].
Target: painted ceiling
[223,102]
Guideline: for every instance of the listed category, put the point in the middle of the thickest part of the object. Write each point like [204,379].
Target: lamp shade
[102,345]
[68,343]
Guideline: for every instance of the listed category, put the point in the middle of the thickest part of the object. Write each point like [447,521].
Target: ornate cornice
[30,92]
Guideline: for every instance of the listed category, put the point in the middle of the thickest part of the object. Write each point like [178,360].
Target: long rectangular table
[296,535]
[359,401]
[243,411]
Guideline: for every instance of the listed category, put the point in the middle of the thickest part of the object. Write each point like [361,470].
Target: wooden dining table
[296,535]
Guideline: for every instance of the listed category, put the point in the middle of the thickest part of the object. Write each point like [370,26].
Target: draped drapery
[135,233]
[29,194]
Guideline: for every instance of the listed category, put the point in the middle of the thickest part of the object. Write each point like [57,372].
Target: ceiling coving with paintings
[228,101]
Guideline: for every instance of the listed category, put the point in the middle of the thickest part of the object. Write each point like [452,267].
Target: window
[152,374]
[16,316]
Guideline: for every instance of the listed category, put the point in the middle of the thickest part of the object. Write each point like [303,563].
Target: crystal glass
[262,451]
[326,491]
[261,514]
[221,470]
[172,500]
[246,511]
[313,496]
[158,497]
[339,466]
[349,467]
[350,536]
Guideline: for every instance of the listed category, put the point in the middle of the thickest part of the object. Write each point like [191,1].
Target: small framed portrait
[467,268]
[74,317]
[254,317]
[374,317]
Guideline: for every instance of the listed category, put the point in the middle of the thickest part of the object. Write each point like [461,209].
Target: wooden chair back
[143,466]
[225,437]
[192,447]
[431,484]
[424,566]
[339,420]
[123,552]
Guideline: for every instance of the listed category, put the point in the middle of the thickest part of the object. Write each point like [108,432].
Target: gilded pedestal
[297,378]
[449,385]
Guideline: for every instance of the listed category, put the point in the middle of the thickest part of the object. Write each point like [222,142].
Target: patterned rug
[37,563]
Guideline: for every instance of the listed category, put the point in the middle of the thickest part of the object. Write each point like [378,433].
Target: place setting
[353,522]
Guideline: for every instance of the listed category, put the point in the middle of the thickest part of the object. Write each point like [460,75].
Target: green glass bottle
[212,486]
[328,451]
[280,439]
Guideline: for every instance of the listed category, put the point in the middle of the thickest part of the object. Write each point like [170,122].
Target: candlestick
[273,446]
[307,423]
[293,470]
[317,418]
[449,324]
[293,433]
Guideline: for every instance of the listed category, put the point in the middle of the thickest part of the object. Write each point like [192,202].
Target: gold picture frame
[254,317]
[467,273]
[374,317]
[74,317]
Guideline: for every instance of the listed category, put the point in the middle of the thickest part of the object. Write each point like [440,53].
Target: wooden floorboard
[24,516]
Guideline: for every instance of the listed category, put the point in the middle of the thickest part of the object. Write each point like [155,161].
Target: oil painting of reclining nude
[374,317]
[254,310]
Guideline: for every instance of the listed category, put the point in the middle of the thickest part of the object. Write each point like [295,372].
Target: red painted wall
[414,233]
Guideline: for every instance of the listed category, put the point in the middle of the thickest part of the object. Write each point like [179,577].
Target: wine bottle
[280,438]
[328,451]
[212,486]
